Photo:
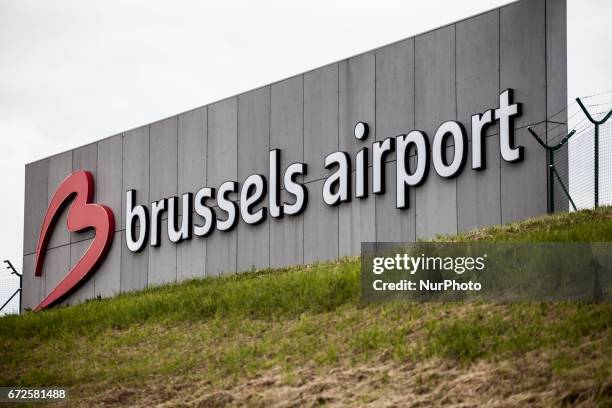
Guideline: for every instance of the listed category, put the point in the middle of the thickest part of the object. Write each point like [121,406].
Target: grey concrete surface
[60,167]
[357,90]
[436,207]
[523,57]
[253,150]
[221,252]
[393,225]
[162,259]
[108,182]
[435,91]
[163,159]
[556,60]
[395,89]
[135,167]
[191,259]
[107,279]
[33,286]
[356,223]
[85,158]
[477,82]
[287,119]
[556,92]
[222,162]
[479,192]
[449,73]
[134,267]
[320,118]
[253,246]
[524,188]
[192,152]
[286,238]
[35,203]
[56,267]
[253,132]
[320,227]
[86,289]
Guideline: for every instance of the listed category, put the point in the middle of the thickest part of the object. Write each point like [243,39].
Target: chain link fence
[590,151]
[10,289]
[578,144]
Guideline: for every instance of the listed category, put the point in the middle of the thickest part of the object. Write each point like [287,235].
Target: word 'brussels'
[219,208]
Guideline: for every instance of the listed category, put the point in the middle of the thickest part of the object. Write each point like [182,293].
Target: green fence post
[550,150]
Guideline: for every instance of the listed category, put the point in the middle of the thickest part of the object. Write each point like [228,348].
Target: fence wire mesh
[583,176]
[9,284]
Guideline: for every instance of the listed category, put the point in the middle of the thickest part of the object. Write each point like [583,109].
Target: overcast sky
[72,72]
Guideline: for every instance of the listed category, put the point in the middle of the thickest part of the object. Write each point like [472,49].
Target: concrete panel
[86,290]
[222,163]
[107,279]
[85,158]
[162,259]
[221,252]
[522,57]
[523,185]
[320,226]
[392,224]
[395,90]
[191,259]
[60,167]
[357,101]
[435,79]
[253,246]
[356,223]
[436,205]
[320,118]
[163,159]
[556,60]
[287,119]
[253,150]
[477,68]
[478,192]
[286,239]
[134,267]
[135,167]
[33,286]
[556,88]
[109,176]
[35,203]
[56,267]
[253,132]
[192,151]
[192,140]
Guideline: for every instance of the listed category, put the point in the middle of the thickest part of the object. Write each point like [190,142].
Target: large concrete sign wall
[450,73]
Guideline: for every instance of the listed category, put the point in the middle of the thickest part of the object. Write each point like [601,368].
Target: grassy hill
[300,336]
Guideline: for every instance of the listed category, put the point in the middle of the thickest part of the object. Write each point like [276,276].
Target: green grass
[223,331]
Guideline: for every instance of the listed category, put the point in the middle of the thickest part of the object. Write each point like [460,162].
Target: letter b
[133,213]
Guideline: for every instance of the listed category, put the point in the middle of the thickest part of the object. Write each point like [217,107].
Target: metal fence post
[552,171]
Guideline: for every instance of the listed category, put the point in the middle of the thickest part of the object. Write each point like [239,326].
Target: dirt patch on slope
[526,381]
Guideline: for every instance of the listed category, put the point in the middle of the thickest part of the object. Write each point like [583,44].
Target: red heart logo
[81,215]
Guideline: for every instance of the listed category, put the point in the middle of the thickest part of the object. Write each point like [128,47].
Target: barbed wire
[596,94]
